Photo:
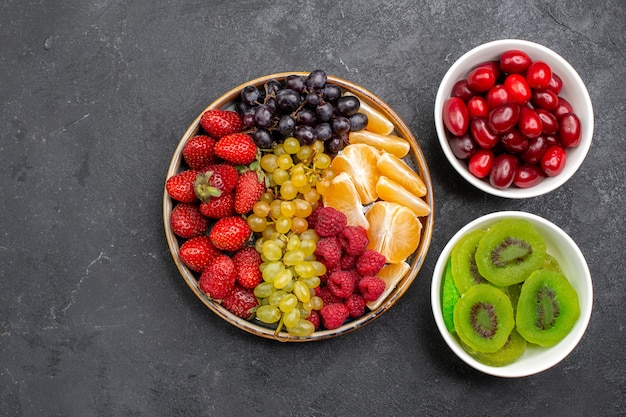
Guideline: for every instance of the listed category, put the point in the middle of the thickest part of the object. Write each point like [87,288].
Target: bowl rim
[401,129]
[566,346]
[549,184]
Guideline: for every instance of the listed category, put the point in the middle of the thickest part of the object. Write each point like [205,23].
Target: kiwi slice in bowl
[449,296]
[512,350]
[464,269]
[547,309]
[509,252]
[551,264]
[483,318]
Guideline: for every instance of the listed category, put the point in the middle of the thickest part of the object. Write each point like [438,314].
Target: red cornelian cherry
[477,107]
[527,176]
[455,116]
[553,160]
[538,75]
[529,123]
[480,163]
[514,62]
[497,95]
[482,133]
[518,87]
[569,130]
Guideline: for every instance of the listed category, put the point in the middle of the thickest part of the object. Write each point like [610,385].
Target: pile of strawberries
[212,195]
[350,281]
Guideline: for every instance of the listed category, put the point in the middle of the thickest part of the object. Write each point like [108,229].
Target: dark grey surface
[95,319]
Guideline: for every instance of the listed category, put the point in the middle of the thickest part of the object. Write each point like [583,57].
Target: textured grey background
[95,319]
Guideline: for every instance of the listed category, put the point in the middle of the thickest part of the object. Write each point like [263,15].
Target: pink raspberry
[329,249]
[314,317]
[370,263]
[371,287]
[356,239]
[347,262]
[334,315]
[327,296]
[329,222]
[341,284]
[356,305]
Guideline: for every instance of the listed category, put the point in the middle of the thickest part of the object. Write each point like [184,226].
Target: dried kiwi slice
[464,269]
[547,309]
[512,350]
[509,252]
[449,296]
[550,263]
[483,318]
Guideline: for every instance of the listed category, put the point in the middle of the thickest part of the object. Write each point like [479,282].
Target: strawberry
[238,149]
[241,302]
[230,233]
[198,252]
[218,279]
[198,152]
[180,186]
[216,180]
[187,221]
[248,191]
[219,123]
[218,207]
[247,262]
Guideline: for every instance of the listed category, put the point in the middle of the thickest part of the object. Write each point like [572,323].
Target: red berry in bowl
[481,79]
[514,62]
[477,106]
[569,130]
[527,176]
[463,147]
[529,123]
[498,94]
[538,75]
[536,147]
[455,116]
[462,91]
[482,133]
[553,160]
[518,87]
[549,124]
[514,142]
[503,170]
[480,163]
[504,117]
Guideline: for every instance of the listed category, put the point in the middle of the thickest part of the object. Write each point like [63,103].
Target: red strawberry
[198,152]
[218,279]
[247,262]
[230,233]
[187,221]
[218,207]
[241,302]
[238,149]
[215,181]
[248,191]
[180,186]
[218,123]
[198,252]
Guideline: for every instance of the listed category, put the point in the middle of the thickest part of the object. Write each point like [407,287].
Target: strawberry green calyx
[204,188]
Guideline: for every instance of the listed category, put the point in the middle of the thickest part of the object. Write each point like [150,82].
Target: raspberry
[341,284]
[313,216]
[370,263]
[348,262]
[334,315]
[327,296]
[314,317]
[329,249]
[356,305]
[356,239]
[329,222]
[371,287]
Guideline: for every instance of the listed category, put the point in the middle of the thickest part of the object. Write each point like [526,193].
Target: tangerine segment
[397,170]
[391,274]
[389,190]
[390,143]
[341,194]
[394,231]
[359,161]
[376,121]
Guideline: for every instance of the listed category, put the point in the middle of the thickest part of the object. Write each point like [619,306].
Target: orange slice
[391,274]
[341,193]
[394,231]
[391,143]
[359,161]
[398,170]
[377,122]
[389,190]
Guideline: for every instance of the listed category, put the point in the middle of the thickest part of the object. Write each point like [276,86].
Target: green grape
[283,278]
[293,242]
[304,153]
[257,224]
[288,208]
[299,224]
[268,314]
[289,287]
[261,208]
[312,195]
[275,297]
[288,191]
[308,247]
[267,197]
[309,234]
[311,282]
[269,233]
[304,313]
[302,328]
[272,250]
[288,303]
[302,208]
[268,162]
[318,146]
[258,244]
[291,145]
[279,149]
[263,290]
[301,291]
[291,318]
[304,188]
[299,180]
[271,270]
[293,257]
[284,161]
[283,224]
[321,160]
[275,209]
[314,303]
[280,176]
[320,268]
[304,268]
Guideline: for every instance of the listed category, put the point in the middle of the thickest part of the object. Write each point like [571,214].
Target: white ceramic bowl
[536,359]
[574,91]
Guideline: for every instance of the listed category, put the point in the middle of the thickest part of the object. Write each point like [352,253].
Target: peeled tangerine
[397,170]
[389,190]
[390,143]
[359,161]
[341,194]
[394,230]
[391,274]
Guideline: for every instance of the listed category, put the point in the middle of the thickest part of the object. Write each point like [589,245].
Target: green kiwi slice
[449,296]
[512,350]
[551,264]
[509,252]
[464,269]
[483,318]
[547,309]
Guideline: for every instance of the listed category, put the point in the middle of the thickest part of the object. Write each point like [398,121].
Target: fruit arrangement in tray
[297,206]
